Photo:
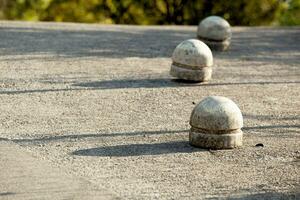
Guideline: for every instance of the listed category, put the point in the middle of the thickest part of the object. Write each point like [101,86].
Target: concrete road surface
[25,177]
[90,112]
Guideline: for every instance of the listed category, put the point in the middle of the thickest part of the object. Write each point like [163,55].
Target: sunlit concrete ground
[94,106]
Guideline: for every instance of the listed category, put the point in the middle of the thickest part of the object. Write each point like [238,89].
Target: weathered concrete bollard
[215,32]
[192,60]
[216,123]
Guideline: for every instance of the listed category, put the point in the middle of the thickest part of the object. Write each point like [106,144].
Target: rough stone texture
[214,28]
[215,32]
[212,140]
[193,53]
[216,45]
[216,124]
[216,113]
[203,74]
[192,60]
[98,103]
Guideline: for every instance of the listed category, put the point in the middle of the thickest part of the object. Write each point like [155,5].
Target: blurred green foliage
[239,12]
[291,16]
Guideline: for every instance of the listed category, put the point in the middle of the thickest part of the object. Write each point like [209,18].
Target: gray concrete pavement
[95,104]
[23,176]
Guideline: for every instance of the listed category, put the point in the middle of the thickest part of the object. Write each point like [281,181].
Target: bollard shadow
[138,83]
[139,149]
[7,193]
[141,83]
[165,82]
[95,135]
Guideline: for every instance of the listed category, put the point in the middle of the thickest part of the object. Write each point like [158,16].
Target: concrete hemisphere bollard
[216,123]
[192,61]
[215,32]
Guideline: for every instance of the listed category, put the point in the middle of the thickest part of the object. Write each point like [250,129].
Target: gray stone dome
[216,113]
[192,54]
[214,28]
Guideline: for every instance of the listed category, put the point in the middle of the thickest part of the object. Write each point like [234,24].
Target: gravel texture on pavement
[97,103]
